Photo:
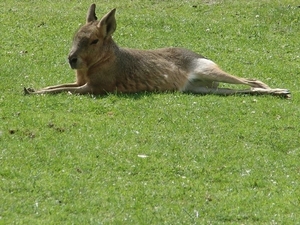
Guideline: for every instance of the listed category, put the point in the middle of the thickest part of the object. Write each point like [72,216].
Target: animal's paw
[28,91]
[284,93]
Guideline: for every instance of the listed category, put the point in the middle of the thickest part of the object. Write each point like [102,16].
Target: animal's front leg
[84,89]
[61,86]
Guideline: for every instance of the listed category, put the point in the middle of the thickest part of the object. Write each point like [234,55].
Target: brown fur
[103,67]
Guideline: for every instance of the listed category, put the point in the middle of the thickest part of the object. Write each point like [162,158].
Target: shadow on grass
[141,95]
[136,96]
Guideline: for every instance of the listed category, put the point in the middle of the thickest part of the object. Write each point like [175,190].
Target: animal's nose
[72,60]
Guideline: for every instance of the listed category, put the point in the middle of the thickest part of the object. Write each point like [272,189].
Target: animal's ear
[107,24]
[91,15]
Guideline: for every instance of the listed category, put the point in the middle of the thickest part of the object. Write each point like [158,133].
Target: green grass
[70,159]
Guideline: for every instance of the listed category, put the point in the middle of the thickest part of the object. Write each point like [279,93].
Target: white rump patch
[202,65]
[202,70]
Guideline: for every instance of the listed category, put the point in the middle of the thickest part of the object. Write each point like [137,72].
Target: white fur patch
[202,65]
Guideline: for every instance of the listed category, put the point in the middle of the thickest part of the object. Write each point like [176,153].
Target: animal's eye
[94,42]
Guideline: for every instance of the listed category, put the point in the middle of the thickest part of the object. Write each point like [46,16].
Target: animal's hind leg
[224,77]
[226,91]
[208,71]
[205,76]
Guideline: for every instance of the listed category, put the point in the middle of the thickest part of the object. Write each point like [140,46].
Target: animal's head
[93,40]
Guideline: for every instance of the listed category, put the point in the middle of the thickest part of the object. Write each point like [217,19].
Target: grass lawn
[168,158]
